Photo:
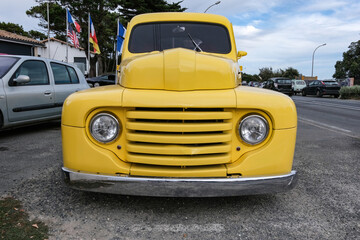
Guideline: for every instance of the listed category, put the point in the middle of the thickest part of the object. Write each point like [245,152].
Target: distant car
[244,83]
[106,79]
[320,88]
[33,89]
[280,84]
[256,84]
[298,85]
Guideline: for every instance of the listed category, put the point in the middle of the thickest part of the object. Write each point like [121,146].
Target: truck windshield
[159,36]
[6,63]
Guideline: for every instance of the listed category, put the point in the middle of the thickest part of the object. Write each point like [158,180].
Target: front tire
[318,93]
[303,93]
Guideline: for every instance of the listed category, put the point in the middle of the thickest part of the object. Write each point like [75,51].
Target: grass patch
[15,224]
[350,92]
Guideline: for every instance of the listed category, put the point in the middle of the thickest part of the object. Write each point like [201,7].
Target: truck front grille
[178,136]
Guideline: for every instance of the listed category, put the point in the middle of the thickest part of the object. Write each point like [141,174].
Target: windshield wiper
[195,44]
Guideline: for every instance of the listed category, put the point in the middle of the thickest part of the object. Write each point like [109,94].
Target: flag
[72,35]
[92,37]
[120,37]
[73,21]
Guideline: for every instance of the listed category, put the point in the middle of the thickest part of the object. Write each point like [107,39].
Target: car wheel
[1,120]
[96,84]
[336,96]
[318,94]
[303,93]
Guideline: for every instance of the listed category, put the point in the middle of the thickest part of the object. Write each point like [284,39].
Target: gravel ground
[324,205]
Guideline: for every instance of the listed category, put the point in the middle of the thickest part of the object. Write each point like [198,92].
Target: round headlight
[253,129]
[104,127]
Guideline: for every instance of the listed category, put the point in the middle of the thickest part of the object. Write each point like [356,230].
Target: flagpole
[117,53]
[48,19]
[89,44]
[67,29]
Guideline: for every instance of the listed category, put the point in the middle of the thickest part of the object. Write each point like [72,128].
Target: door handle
[47,92]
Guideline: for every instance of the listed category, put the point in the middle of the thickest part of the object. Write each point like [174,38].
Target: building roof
[12,37]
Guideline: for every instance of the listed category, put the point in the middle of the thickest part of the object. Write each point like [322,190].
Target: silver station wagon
[33,89]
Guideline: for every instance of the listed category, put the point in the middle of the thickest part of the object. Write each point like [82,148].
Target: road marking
[328,127]
[178,228]
[329,105]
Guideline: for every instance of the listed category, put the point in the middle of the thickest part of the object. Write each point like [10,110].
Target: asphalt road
[342,116]
[324,205]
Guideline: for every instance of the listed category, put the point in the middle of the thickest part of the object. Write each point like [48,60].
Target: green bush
[350,92]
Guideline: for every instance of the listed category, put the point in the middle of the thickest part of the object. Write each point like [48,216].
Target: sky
[274,33]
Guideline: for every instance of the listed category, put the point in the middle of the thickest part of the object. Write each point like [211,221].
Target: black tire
[336,96]
[318,94]
[96,84]
[1,120]
[303,93]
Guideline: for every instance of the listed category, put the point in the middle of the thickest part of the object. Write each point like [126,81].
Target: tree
[18,29]
[350,65]
[290,73]
[131,8]
[250,78]
[13,28]
[266,73]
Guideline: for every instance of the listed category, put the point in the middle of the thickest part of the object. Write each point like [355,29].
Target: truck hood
[179,70]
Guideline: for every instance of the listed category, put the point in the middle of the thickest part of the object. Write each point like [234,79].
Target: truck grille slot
[178,137]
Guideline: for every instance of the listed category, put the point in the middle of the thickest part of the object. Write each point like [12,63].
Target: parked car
[256,84]
[106,79]
[33,89]
[321,88]
[298,85]
[280,84]
[179,123]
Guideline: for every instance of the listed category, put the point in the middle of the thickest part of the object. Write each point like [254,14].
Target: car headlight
[253,129]
[104,127]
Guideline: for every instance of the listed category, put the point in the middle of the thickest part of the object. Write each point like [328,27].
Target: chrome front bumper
[179,187]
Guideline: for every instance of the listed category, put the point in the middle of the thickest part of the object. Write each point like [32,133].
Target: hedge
[350,92]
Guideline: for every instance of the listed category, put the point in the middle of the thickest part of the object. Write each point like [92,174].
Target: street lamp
[312,66]
[218,2]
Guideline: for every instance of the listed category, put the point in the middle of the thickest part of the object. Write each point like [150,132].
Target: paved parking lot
[324,205]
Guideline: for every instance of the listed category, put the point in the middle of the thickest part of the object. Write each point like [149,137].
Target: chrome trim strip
[179,187]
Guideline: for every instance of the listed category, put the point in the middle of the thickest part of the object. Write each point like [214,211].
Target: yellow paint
[179,113]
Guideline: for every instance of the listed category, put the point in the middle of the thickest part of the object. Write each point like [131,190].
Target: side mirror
[241,54]
[22,79]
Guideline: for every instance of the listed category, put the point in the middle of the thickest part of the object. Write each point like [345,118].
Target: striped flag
[73,21]
[92,37]
[73,37]
[120,37]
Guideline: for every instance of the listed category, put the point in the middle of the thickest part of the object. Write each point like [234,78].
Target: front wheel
[318,93]
[303,93]
[336,96]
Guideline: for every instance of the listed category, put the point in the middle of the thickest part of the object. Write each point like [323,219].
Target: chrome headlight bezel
[265,126]
[115,133]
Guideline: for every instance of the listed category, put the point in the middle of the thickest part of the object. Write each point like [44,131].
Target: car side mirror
[22,79]
[241,54]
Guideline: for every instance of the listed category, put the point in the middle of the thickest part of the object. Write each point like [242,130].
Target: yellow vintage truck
[178,123]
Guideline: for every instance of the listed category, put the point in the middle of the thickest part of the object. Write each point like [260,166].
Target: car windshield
[284,81]
[6,63]
[300,82]
[197,36]
[330,82]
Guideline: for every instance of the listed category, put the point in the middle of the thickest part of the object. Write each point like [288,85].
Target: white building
[56,49]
